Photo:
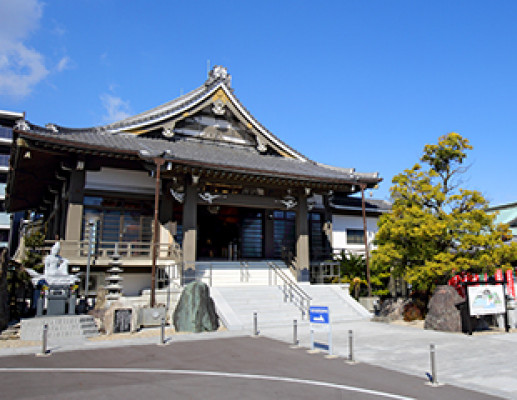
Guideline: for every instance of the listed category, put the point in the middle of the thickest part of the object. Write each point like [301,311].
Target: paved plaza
[391,360]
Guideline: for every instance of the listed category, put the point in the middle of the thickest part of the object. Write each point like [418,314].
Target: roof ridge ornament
[52,127]
[22,125]
[261,146]
[168,131]
[219,73]
[218,107]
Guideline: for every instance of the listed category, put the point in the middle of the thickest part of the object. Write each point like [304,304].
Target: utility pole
[158,161]
[367,257]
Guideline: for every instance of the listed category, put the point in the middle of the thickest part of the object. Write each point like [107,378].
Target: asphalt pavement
[391,361]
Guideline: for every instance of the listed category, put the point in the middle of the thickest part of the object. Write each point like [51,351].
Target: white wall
[133,284]
[340,223]
[119,180]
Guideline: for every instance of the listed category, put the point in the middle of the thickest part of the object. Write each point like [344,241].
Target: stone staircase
[60,328]
[234,273]
[12,332]
[236,305]
[342,306]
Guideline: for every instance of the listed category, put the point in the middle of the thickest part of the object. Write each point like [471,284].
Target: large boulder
[391,310]
[443,315]
[195,311]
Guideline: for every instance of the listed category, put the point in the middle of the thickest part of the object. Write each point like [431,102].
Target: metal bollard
[434,376]
[162,332]
[350,346]
[255,324]
[44,340]
[295,332]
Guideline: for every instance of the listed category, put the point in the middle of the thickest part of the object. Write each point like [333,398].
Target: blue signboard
[319,315]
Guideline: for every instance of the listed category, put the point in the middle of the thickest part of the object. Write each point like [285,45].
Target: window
[4,160]
[284,230]
[319,245]
[120,220]
[6,133]
[355,236]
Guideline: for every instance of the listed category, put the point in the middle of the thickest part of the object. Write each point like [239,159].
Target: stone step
[237,304]
[59,327]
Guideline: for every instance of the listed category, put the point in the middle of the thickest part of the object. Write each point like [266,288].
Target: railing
[199,274]
[325,271]
[291,290]
[75,249]
[245,272]
[165,275]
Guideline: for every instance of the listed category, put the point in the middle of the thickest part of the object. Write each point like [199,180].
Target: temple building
[218,183]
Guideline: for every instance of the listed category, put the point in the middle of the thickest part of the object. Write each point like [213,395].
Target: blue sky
[363,84]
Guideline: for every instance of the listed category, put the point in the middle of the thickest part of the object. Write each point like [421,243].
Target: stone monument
[60,326]
[195,311]
[443,314]
[58,280]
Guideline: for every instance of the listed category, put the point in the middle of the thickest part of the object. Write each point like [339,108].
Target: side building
[7,122]
[192,181]
[348,224]
[506,214]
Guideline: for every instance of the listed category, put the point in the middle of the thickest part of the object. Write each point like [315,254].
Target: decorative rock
[391,310]
[443,314]
[195,311]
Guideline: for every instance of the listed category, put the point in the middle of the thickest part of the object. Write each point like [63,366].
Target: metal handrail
[245,271]
[200,278]
[288,283]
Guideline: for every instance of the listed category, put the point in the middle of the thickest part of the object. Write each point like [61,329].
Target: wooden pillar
[327,226]
[302,240]
[189,232]
[57,215]
[74,213]
[269,232]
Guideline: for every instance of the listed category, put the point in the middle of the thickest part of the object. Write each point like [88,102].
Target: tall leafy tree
[436,227]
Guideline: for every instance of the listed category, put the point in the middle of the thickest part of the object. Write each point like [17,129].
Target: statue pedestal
[58,297]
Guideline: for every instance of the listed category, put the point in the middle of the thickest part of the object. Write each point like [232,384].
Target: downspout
[363,186]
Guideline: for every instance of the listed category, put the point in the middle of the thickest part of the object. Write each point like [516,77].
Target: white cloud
[19,18]
[63,64]
[21,68]
[115,107]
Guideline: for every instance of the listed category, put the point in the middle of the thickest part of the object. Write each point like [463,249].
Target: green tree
[34,240]
[436,227]
[352,269]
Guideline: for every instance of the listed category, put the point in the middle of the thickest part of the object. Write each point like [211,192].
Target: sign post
[487,299]
[319,317]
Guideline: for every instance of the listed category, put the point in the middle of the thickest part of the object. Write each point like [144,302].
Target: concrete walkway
[485,363]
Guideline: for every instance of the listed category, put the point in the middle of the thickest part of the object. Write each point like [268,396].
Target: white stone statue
[54,263]
[56,269]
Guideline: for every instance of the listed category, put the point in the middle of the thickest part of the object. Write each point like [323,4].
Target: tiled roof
[115,138]
[179,105]
[355,202]
[198,152]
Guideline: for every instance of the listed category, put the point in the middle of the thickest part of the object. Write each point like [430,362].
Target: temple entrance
[230,233]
